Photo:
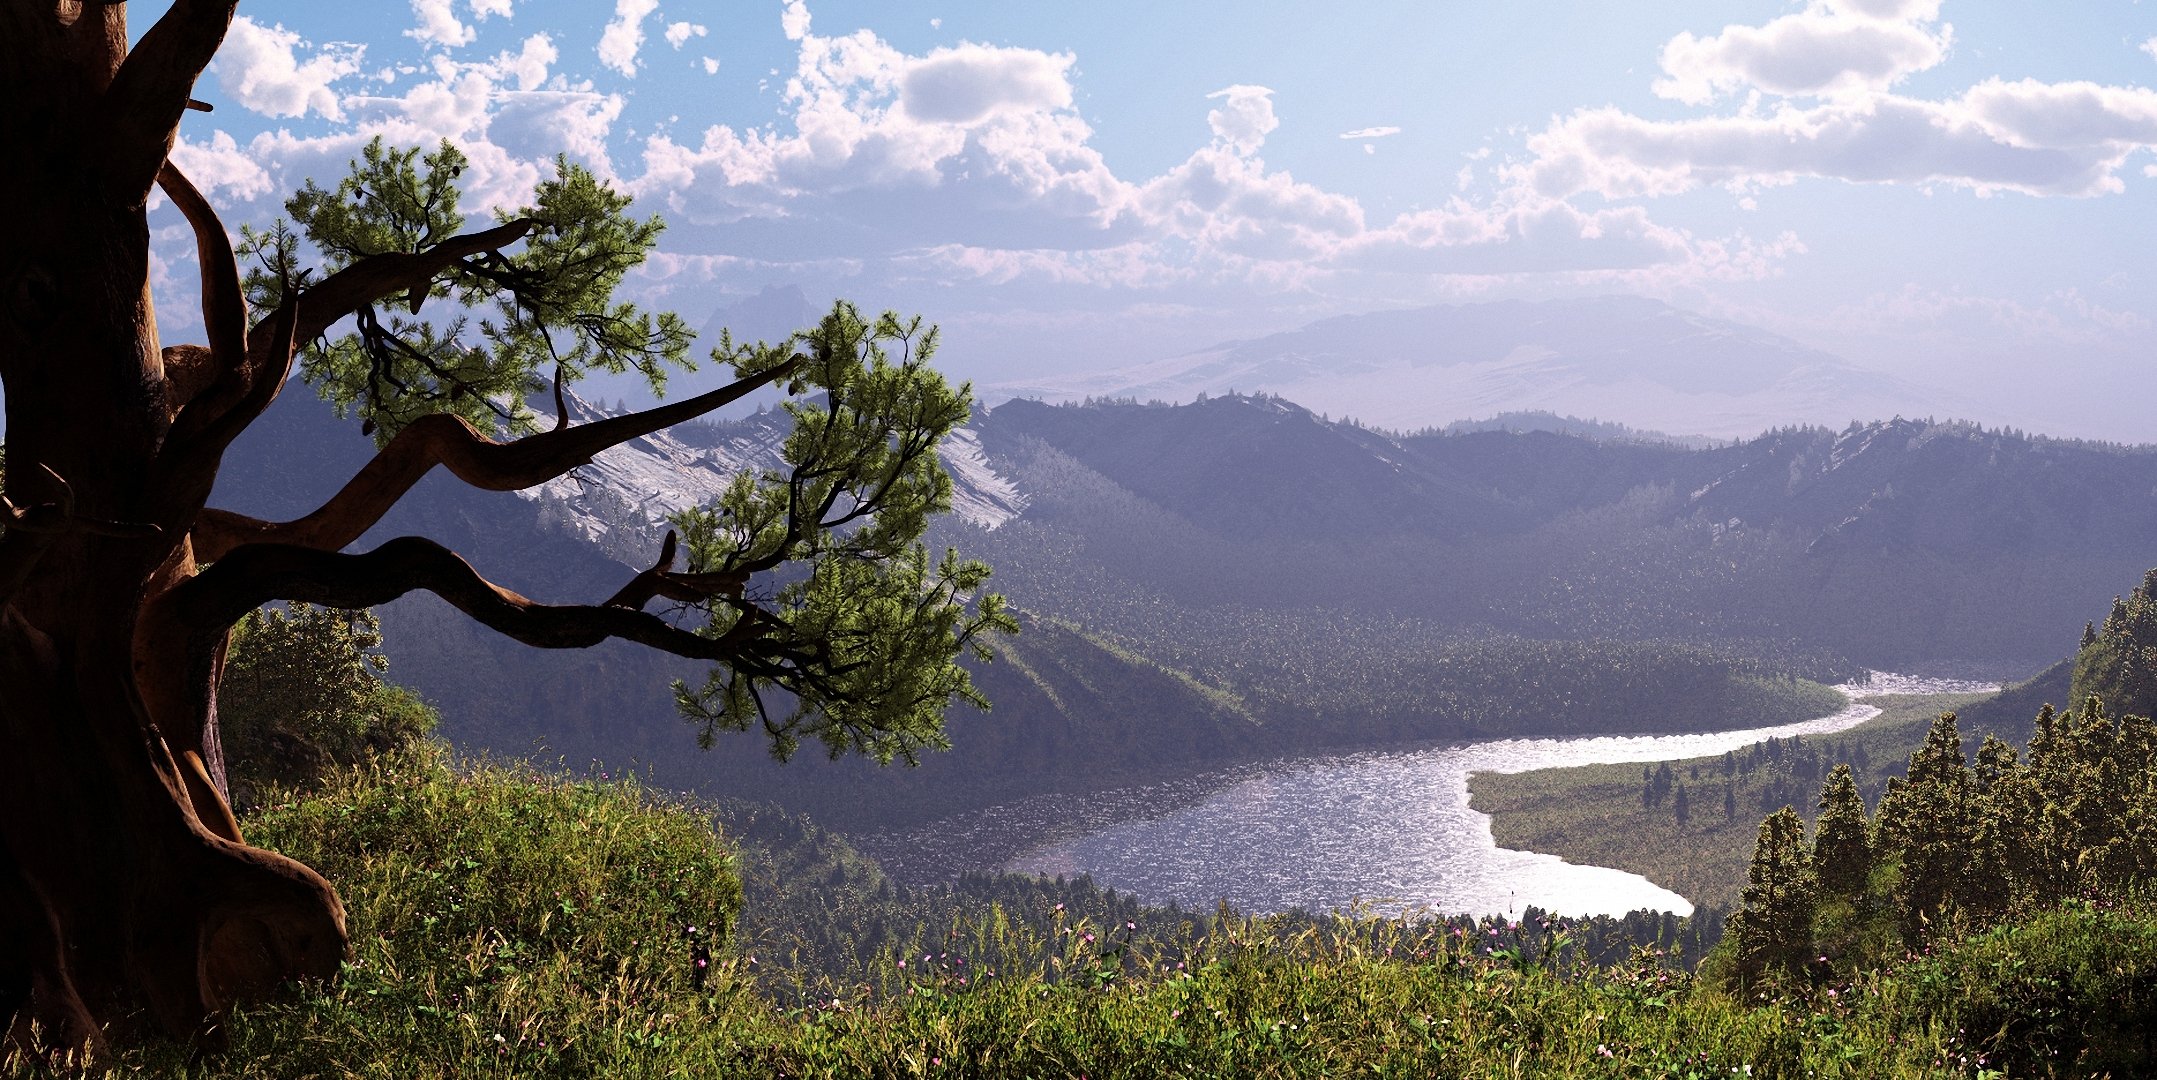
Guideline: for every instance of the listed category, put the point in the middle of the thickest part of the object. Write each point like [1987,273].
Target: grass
[512,924]
[1593,813]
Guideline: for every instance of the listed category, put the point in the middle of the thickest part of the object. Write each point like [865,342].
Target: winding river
[1389,830]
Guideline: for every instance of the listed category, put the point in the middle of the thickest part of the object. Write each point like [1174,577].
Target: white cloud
[2150,47]
[794,19]
[680,32]
[1824,50]
[1370,133]
[711,65]
[1245,117]
[2031,137]
[624,34]
[969,83]
[257,68]
[438,24]
[220,166]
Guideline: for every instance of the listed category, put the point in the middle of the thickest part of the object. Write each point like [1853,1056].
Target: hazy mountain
[771,314]
[1632,360]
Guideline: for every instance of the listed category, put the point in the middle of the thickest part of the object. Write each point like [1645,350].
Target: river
[1388,831]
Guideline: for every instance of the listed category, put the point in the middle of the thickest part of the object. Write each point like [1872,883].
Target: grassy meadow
[507,923]
[1594,814]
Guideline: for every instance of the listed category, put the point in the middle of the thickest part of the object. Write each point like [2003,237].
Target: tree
[126,881]
[1842,845]
[302,694]
[1773,925]
[1928,824]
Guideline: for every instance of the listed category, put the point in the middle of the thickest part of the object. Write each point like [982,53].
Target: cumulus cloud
[257,68]
[1816,52]
[623,36]
[439,25]
[2031,137]
[967,84]
[680,32]
[794,19]
[1833,66]
[1244,118]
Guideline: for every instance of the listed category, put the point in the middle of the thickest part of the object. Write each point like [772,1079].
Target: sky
[1950,191]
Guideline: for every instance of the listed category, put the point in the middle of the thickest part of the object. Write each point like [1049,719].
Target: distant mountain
[1892,541]
[1240,576]
[771,314]
[1598,430]
[1632,360]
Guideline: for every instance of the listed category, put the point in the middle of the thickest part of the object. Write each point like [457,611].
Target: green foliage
[2118,663]
[501,322]
[302,696]
[1772,930]
[1842,844]
[864,645]
[504,923]
[1927,824]
[512,924]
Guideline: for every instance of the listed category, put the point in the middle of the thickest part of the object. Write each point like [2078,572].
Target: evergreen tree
[1926,823]
[1730,801]
[1773,925]
[1681,807]
[1842,843]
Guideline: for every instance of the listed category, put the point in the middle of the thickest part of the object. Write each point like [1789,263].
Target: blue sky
[1951,191]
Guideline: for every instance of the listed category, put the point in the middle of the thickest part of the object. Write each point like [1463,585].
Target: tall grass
[512,924]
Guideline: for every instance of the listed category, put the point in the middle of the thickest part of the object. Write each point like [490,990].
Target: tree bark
[126,892]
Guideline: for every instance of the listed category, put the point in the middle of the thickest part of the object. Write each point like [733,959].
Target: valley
[1211,589]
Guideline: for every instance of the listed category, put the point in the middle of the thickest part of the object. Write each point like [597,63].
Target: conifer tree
[1842,843]
[1773,925]
[1925,822]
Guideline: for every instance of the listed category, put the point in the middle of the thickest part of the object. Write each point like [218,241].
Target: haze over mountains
[1240,577]
[1629,359]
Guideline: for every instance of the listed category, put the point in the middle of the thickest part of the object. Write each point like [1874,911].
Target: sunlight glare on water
[1393,831]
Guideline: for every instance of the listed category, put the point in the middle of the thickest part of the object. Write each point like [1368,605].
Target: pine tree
[1773,925]
[1842,844]
[1681,807]
[1926,823]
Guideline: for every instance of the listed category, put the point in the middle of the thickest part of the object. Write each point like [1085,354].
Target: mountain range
[1239,576]
[1623,358]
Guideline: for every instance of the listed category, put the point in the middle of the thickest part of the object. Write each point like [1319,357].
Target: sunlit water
[1388,830]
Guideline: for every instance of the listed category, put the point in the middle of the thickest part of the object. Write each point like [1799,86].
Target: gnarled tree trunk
[124,883]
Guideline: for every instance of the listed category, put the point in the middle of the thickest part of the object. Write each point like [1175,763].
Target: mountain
[1240,577]
[1627,359]
[1892,541]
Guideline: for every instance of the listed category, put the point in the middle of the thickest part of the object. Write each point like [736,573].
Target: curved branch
[377,276]
[661,580]
[213,421]
[258,573]
[224,305]
[142,109]
[471,457]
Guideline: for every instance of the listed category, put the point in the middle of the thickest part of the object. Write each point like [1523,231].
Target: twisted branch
[255,574]
[484,463]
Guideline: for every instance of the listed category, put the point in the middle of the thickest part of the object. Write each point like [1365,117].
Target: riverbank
[1388,831]
[1598,813]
